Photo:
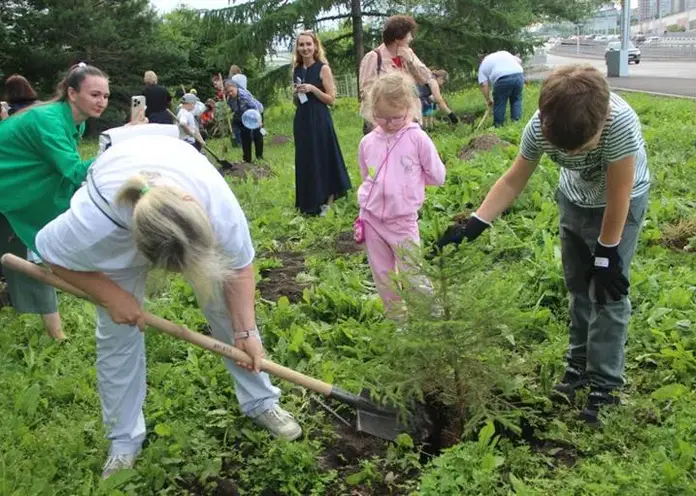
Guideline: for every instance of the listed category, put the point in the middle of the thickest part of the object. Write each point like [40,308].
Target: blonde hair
[441,73]
[173,231]
[150,77]
[318,49]
[396,89]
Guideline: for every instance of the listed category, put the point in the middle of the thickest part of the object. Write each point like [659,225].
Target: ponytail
[73,79]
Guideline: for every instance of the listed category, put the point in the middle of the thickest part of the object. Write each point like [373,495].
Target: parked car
[633,52]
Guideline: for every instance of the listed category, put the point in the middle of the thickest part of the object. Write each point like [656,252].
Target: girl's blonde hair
[397,90]
[173,231]
[318,49]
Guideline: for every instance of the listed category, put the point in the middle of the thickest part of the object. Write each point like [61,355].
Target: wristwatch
[247,333]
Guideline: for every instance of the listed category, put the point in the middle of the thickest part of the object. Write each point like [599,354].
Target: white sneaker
[281,423]
[324,209]
[118,462]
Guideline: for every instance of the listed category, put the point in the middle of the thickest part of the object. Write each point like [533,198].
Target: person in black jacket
[157,100]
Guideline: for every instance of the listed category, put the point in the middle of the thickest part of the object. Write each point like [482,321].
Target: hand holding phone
[302,97]
[138,108]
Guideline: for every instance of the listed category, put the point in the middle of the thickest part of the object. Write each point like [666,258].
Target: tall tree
[453,32]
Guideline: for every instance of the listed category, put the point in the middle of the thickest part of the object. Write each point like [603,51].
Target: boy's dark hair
[18,89]
[397,27]
[573,105]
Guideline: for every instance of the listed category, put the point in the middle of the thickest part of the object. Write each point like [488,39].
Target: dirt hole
[280,139]
[282,281]
[345,243]
[244,169]
[680,236]
[483,143]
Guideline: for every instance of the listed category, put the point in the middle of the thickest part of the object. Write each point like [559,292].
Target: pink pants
[384,242]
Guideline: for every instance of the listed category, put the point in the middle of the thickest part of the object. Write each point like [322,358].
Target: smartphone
[137,108]
[302,97]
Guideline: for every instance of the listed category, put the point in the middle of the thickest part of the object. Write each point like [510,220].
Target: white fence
[346,85]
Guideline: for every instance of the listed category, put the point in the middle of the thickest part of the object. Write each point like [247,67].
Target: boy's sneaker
[572,380]
[117,462]
[597,399]
[281,423]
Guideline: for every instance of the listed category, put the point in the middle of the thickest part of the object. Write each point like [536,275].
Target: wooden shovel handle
[178,331]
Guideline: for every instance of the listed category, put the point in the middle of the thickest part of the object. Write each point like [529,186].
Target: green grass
[52,440]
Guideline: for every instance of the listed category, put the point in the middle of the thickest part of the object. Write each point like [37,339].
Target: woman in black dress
[320,172]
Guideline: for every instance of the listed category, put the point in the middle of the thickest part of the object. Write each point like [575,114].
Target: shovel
[371,418]
[225,164]
[483,119]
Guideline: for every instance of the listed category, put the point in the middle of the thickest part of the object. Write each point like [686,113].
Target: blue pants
[507,88]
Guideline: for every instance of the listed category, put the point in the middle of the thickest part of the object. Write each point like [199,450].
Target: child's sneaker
[597,399]
[572,380]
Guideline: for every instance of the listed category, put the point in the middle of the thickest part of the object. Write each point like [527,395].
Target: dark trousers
[249,135]
[507,88]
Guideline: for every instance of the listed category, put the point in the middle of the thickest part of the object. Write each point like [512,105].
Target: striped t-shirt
[583,176]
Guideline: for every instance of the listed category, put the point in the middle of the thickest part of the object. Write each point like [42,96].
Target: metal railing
[346,85]
[652,51]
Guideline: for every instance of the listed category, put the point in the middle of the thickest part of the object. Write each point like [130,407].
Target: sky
[169,5]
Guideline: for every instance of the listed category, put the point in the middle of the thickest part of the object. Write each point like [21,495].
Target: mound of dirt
[677,236]
[282,281]
[244,169]
[280,139]
[483,143]
[345,243]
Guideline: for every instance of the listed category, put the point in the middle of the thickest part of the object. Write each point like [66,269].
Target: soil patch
[678,236]
[471,117]
[483,143]
[351,447]
[280,139]
[345,243]
[281,281]
[245,169]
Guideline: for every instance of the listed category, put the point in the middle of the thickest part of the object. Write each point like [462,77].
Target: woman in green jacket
[40,169]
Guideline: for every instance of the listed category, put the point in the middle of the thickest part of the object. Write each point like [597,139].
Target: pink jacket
[395,186]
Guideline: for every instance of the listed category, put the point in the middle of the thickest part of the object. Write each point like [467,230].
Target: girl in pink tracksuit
[397,160]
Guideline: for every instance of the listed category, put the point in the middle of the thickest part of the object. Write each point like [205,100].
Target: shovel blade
[379,422]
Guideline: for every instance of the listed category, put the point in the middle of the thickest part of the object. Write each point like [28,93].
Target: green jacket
[40,167]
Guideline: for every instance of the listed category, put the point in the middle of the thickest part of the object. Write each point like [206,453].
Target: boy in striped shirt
[595,137]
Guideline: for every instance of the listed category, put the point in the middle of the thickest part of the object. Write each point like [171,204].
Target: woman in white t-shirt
[153,201]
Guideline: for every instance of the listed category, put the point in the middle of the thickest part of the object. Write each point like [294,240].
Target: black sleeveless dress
[320,171]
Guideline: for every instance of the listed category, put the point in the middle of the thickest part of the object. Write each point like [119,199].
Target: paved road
[676,78]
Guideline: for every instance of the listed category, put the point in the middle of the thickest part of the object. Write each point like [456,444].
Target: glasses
[396,121]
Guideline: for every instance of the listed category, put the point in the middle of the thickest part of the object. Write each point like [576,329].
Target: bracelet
[247,334]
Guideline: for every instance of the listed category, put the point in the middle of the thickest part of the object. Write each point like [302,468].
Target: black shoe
[597,399]
[572,380]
